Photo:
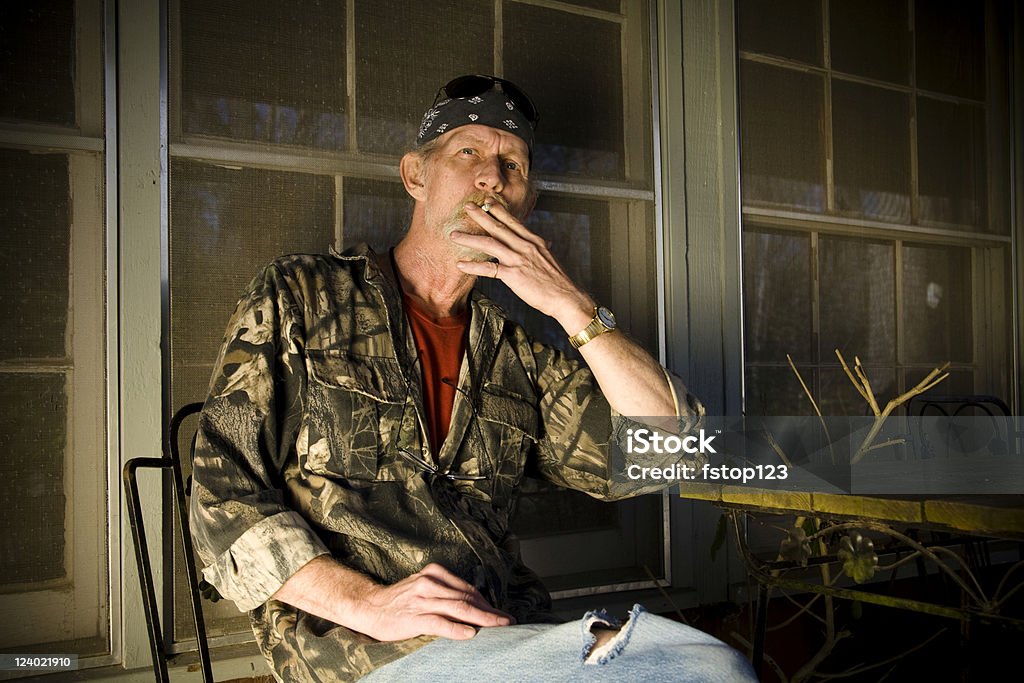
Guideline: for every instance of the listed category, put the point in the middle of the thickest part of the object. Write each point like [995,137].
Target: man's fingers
[502,225]
[449,579]
[432,601]
[486,244]
[504,217]
[478,268]
[437,583]
[436,625]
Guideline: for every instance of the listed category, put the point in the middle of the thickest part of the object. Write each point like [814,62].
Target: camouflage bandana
[492,108]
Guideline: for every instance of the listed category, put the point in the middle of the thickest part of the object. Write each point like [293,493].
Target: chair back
[977,423]
[170,463]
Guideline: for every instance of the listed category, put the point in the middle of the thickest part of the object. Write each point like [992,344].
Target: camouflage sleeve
[243,530]
[579,424]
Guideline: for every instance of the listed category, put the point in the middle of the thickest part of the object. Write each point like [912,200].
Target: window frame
[82,603]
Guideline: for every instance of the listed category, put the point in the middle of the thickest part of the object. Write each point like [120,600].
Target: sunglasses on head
[478,84]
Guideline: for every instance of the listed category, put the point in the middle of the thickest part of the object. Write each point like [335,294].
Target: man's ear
[412,168]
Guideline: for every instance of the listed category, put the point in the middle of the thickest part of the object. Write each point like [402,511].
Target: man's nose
[490,177]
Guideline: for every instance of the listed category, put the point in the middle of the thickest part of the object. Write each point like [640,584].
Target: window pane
[571,66]
[35,215]
[951,46]
[782,137]
[871,129]
[937,304]
[777,391]
[785,28]
[858,299]
[260,70]
[951,149]
[377,212]
[33,422]
[776,296]
[225,226]
[37,48]
[404,52]
[871,38]
[959,383]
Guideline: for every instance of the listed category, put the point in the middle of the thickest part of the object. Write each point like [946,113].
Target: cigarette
[486,206]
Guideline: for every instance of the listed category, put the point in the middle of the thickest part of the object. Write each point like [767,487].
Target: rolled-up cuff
[689,409]
[263,558]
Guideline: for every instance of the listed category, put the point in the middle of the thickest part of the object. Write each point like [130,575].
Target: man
[371,417]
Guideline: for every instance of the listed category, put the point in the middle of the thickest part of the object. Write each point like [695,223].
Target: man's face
[477,164]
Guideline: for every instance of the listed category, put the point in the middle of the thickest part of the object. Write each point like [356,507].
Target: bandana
[492,108]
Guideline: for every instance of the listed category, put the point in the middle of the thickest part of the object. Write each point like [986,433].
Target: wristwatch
[603,321]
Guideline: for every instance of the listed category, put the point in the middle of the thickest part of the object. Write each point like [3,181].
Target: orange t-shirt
[440,345]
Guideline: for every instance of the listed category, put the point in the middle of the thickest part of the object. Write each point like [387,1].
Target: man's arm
[634,383]
[431,602]
[254,545]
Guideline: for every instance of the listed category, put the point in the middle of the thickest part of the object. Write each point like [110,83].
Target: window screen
[34,210]
[782,137]
[37,60]
[871,145]
[36,241]
[404,53]
[260,70]
[875,185]
[787,28]
[567,76]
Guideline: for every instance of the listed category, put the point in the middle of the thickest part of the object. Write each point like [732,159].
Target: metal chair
[1000,439]
[1003,434]
[158,639]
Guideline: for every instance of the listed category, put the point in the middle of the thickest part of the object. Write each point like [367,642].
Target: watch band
[594,328]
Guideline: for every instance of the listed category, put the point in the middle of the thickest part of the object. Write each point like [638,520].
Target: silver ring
[495,269]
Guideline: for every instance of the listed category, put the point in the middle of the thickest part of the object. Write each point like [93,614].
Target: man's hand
[431,602]
[526,265]
[631,379]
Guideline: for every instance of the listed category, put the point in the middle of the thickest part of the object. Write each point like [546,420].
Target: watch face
[606,317]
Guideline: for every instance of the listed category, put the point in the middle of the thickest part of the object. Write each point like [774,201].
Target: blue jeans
[647,648]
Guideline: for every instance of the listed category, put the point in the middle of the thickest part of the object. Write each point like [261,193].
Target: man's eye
[512,166]
[468,150]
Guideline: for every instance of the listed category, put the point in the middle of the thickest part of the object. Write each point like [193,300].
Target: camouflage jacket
[313,441]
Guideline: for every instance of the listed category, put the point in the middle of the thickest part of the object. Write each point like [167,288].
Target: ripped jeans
[647,648]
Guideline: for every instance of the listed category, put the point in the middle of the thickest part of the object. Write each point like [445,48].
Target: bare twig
[929,381]
[661,589]
[817,410]
[853,380]
[890,442]
[776,447]
[872,401]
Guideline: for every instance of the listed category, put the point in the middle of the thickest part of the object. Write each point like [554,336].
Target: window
[286,130]
[876,203]
[53,531]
